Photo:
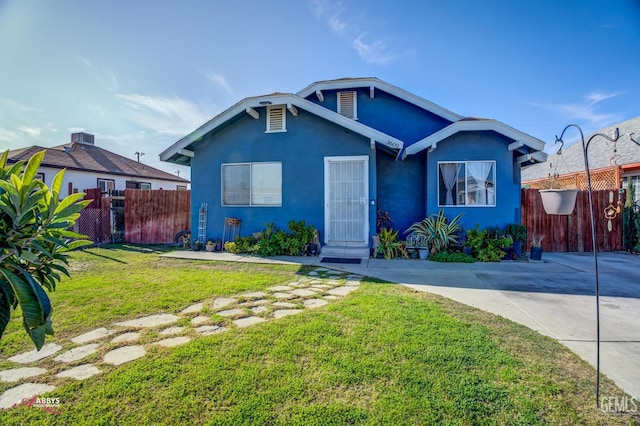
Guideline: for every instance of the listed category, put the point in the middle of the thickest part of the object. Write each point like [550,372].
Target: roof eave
[247,105]
[384,86]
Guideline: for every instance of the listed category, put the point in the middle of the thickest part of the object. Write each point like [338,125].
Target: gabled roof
[181,152]
[374,83]
[601,153]
[528,145]
[90,158]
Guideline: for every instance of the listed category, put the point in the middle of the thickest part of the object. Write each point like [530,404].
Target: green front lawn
[382,355]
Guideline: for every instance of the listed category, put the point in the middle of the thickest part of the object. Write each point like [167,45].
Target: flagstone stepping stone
[254,295]
[299,285]
[193,308]
[342,291]
[354,277]
[282,295]
[172,330]
[200,320]
[80,372]
[231,313]
[352,282]
[173,341]
[99,333]
[150,321]
[285,312]
[303,292]
[24,391]
[16,374]
[122,355]
[284,305]
[330,297]
[259,309]
[313,274]
[314,303]
[126,337]
[222,302]
[321,286]
[248,321]
[256,302]
[207,330]
[280,288]
[33,356]
[78,353]
[333,282]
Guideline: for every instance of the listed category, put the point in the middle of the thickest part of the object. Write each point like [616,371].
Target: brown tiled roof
[85,157]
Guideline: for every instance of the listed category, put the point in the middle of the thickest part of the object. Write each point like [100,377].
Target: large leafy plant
[34,236]
[437,231]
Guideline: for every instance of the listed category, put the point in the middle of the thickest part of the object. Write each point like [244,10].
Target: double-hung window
[252,184]
[467,183]
[106,185]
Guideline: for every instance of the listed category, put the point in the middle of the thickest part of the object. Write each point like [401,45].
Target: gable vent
[276,119]
[347,104]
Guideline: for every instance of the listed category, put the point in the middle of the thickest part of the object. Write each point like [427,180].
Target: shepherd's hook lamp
[585,148]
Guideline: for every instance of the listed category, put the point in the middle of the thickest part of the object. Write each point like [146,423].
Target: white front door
[346,194]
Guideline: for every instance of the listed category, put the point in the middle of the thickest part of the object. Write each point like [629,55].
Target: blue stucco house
[338,150]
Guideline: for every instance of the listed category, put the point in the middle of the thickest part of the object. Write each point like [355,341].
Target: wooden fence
[155,216]
[135,216]
[573,232]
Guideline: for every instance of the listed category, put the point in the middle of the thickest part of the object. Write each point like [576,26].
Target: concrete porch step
[357,252]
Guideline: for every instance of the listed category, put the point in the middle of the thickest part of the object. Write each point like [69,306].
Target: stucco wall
[301,149]
[466,146]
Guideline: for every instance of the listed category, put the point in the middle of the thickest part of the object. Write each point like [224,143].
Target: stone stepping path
[122,340]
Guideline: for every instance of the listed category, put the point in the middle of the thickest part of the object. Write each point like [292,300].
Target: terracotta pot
[559,201]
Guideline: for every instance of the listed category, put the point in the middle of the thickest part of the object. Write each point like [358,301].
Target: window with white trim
[276,119]
[252,184]
[348,104]
[106,185]
[467,183]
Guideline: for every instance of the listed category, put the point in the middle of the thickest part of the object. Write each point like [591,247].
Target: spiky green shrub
[34,236]
[437,231]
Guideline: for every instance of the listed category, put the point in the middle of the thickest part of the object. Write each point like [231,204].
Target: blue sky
[140,75]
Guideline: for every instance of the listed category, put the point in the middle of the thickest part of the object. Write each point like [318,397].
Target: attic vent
[347,104]
[276,119]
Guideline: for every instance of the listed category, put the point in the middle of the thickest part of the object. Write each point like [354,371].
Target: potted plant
[196,246]
[210,246]
[437,231]
[536,247]
[217,244]
[519,235]
[389,247]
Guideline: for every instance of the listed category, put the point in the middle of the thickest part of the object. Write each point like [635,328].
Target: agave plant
[34,234]
[437,231]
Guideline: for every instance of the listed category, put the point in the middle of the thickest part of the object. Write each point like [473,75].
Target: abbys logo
[613,404]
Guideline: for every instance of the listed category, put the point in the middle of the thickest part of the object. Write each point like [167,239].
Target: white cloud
[586,111]
[165,115]
[9,136]
[334,14]
[220,81]
[104,75]
[375,52]
[34,132]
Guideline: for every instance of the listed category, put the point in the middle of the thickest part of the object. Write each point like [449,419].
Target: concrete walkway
[554,297]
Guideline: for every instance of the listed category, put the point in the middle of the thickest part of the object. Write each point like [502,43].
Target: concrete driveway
[554,297]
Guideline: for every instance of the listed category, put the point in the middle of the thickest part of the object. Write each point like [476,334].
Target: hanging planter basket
[559,201]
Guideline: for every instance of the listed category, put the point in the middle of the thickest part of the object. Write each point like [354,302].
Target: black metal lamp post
[585,147]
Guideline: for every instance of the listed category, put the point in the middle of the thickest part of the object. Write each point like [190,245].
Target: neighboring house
[338,150]
[609,163]
[89,166]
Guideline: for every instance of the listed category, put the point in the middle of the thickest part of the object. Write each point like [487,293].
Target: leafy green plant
[34,236]
[457,257]
[390,247]
[630,232]
[517,231]
[437,231]
[273,242]
[486,245]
